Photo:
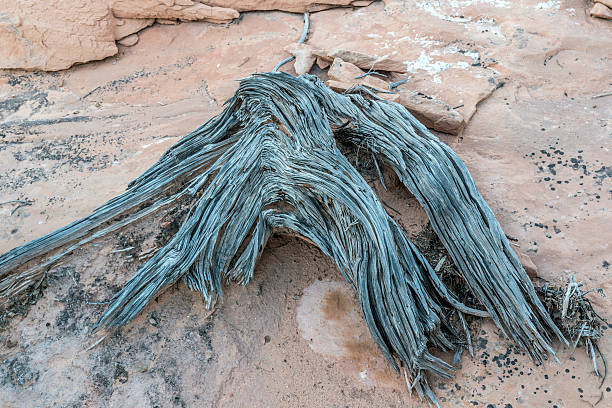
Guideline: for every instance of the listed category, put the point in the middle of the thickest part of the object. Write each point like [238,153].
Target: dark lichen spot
[120,374]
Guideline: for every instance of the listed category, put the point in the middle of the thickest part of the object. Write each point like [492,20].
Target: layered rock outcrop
[184,10]
[299,6]
[432,112]
[127,26]
[363,61]
[52,35]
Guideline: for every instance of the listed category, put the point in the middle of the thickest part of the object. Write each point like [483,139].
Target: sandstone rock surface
[128,41]
[299,6]
[323,63]
[127,26]
[363,61]
[345,72]
[185,10]
[527,263]
[607,3]
[432,112]
[344,75]
[54,35]
[167,21]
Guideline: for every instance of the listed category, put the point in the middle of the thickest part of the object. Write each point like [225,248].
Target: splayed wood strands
[269,161]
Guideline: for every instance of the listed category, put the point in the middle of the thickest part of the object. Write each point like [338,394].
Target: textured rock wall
[299,6]
[185,10]
[52,35]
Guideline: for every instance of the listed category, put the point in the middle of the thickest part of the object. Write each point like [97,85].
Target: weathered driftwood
[270,161]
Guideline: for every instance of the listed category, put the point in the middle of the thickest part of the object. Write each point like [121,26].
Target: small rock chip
[127,26]
[304,58]
[322,63]
[342,75]
[346,72]
[362,60]
[601,11]
[432,112]
[129,40]
[165,224]
[266,339]
[340,87]
[337,86]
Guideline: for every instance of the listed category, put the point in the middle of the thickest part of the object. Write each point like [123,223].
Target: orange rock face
[432,112]
[127,26]
[286,5]
[53,35]
[527,263]
[345,72]
[362,60]
[343,75]
[128,41]
[185,10]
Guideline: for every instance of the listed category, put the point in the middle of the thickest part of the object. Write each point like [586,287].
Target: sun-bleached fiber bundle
[270,162]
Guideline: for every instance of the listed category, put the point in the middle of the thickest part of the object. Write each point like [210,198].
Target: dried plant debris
[428,243]
[573,313]
[435,253]
[271,161]
[19,304]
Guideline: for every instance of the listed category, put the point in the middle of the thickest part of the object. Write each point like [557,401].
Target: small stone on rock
[432,112]
[129,40]
[362,60]
[304,58]
[127,26]
[601,11]
[346,72]
[322,63]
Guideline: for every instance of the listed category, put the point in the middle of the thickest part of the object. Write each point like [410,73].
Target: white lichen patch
[549,5]
[457,11]
[468,3]
[421,41]
[435,9]
[453,10]
[439,60]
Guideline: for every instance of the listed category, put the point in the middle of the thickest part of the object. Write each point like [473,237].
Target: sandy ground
[538,147]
